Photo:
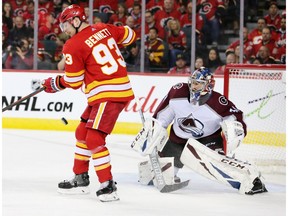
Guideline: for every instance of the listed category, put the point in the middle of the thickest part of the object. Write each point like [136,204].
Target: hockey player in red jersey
[206,129]
[93,60]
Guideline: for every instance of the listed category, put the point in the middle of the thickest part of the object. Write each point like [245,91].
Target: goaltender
[206,130]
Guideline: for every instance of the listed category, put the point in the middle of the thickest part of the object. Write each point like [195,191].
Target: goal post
[260,92]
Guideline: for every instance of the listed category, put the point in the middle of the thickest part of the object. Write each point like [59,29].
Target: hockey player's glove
[52,85]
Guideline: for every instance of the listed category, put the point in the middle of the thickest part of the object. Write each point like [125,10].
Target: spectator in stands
[20,56]
[150,22]
[186,23]
[155,51]
[282,54]
[230,59]
[97,19]
[105,6]
[247,46]
[28,15]
[214,60]
[281,33]
[168,12]
[129,4]
[133,60]
[46,31]
[19,30]
[273,17]
[137,28]
[46,6]
[281,41]
[256,61]
[176,40]
[7,17]
[60,41]
[19,6]
[4,49]
[119,18]
[181,67]
[256,34]
[136,13]
[199,62]
[267,41]
[264,56]
[232,15]
[213,10]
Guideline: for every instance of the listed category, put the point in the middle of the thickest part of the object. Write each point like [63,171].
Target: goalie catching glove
[53,85]
[232,134]
[150,136]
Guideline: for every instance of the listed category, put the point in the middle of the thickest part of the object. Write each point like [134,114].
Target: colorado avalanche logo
[191,125]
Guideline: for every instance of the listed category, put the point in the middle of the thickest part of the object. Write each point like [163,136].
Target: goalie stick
[23,99]
[161,185]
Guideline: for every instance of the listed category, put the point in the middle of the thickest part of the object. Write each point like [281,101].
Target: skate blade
[109,197]
[74,191]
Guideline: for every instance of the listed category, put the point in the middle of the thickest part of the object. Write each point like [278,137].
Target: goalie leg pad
[147,176]
[229,171]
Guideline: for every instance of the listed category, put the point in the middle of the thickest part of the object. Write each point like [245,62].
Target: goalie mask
[200,83]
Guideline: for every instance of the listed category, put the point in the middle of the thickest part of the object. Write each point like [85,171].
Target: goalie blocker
[230,171]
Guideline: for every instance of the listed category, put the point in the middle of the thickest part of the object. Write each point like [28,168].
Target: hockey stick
[23,99]
[161,185]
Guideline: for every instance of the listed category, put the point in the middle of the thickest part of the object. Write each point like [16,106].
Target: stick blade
[174,187]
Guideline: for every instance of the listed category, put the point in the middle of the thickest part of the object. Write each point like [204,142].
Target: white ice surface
[33,162]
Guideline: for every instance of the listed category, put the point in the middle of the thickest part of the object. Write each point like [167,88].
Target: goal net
[260,92]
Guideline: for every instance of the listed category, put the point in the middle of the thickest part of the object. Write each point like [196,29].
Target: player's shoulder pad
[179,90]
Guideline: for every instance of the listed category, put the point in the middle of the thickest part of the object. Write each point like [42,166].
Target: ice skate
[107,191]
[78,185]
[258,187]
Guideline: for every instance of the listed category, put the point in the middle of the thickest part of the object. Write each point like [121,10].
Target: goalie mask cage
[260,92]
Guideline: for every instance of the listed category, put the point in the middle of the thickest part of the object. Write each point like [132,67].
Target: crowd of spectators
[167,32]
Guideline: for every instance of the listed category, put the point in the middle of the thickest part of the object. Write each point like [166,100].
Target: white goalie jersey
[195,121]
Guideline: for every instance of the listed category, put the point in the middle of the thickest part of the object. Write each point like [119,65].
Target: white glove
[232,134]
[150,136]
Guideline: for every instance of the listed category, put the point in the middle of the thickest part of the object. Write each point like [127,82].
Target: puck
[64,121]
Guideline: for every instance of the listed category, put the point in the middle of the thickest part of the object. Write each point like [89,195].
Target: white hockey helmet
[200,83]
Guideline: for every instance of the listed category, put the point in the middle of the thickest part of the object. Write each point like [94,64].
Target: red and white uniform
[98,64]
[209,7]
[186,20]
[247,48]
[194,121]
[162,17]
[274,22]
[177,40]
[271,44]
[93,60]
[116,20]
[255,36]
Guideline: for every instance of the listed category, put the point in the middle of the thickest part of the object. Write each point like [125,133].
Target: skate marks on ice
[33,162]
